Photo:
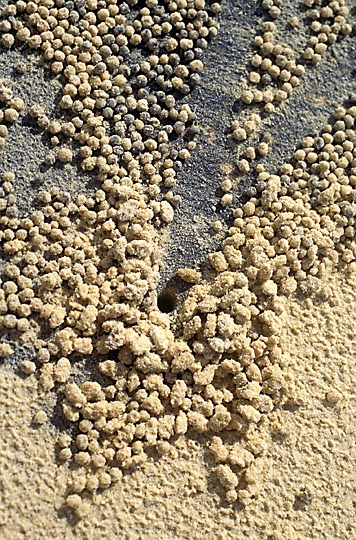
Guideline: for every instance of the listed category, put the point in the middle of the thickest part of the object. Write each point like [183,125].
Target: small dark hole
[237,106]
[167,301]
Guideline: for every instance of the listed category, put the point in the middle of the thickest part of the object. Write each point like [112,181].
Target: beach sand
[306,488]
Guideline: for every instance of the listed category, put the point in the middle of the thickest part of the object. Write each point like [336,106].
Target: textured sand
[307,489]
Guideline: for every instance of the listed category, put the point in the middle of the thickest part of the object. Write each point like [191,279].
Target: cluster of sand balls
[273,7]
[219,371]
[276,69]
[80,284]
[300,224]
[10,109]
[124,68]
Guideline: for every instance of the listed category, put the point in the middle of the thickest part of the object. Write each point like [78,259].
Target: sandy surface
[304,480]
[306,485]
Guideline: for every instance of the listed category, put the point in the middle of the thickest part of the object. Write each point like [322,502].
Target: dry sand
[307,489]
[306,484]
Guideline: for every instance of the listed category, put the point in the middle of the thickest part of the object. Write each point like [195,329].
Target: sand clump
[219,371]
[276,70]
[84,270]
[10,109]
[306,473]
[283,241]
